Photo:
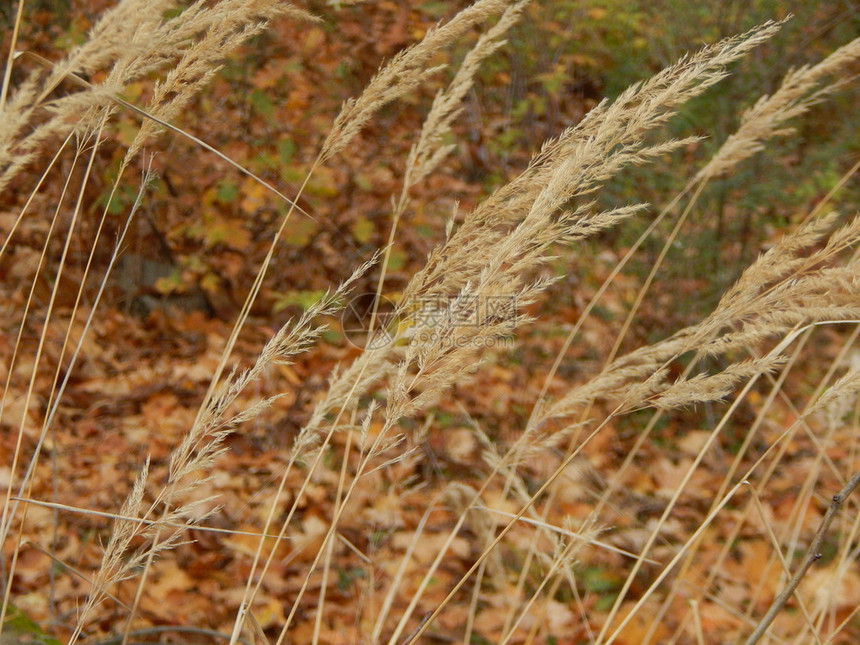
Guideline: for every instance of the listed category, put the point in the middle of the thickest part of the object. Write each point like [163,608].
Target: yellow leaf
[362,230]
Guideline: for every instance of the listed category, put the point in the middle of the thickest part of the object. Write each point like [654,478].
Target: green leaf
[262,103]
[286,150]
[170,284]
[304,299]
[396,260]
[227,191]
[19,628]
[362,230]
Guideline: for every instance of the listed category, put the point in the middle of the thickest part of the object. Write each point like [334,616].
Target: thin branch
[813,554]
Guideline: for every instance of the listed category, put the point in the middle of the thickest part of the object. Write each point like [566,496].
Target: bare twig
[813,554]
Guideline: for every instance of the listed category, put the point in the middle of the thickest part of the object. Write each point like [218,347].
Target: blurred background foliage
[273,102]
[205,228]
[568,55]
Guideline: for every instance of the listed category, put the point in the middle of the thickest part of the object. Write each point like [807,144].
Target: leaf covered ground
[147,359]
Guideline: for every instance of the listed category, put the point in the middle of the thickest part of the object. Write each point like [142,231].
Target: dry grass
[526,552]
